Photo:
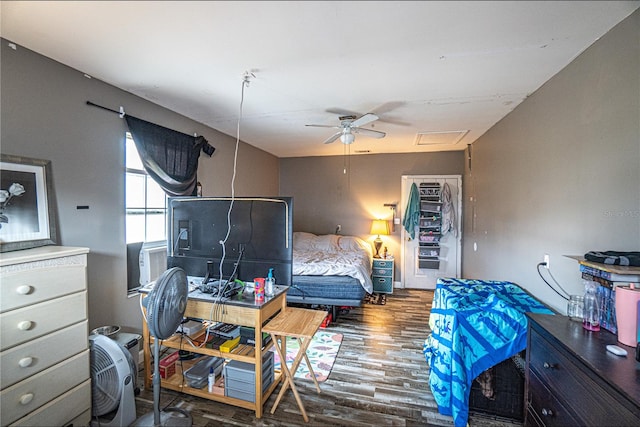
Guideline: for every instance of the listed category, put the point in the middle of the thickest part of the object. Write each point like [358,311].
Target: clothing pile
[631,259]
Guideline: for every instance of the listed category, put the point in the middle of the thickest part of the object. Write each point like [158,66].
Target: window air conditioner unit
[152,261]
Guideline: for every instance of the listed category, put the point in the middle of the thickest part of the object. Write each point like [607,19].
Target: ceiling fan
[350,125]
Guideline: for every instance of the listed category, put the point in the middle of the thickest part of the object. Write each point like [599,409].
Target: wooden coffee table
[301,324]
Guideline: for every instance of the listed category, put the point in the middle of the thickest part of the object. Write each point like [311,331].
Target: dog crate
[508,391]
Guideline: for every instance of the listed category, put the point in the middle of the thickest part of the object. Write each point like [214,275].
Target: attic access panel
[440,138]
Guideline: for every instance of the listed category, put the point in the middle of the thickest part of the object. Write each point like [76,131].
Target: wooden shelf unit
[616,269]
[238,311]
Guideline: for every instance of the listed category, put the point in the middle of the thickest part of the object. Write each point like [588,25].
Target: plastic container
[259,288]
[198,375]
[270,284]
[575,306]
[240,378]
[211,380]
[638,326]
[591,311]
[627,299]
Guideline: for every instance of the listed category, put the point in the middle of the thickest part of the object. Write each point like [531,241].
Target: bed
[331,270]
[475,325]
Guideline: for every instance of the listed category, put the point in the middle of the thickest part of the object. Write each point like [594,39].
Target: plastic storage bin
[239,378]
[430,264]
[197,375]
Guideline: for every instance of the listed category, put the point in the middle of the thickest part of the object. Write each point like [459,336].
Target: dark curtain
[168,156]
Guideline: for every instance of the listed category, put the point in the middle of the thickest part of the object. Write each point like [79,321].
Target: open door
[435,249]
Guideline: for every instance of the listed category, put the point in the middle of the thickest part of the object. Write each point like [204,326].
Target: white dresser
[44,350]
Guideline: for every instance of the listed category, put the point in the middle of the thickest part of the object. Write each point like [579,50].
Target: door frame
[403,233]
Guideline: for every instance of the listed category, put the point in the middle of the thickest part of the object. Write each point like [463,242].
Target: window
[146,210]
[146,202]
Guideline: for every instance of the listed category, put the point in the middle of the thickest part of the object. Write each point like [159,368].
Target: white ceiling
[421,66]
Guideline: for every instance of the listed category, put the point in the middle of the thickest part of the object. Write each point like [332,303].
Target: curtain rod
[120,113]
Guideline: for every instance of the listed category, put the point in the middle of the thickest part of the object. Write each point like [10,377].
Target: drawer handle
[547,412]
[24,289]
[25,399]
[25,362]
[548,365]
[25,325]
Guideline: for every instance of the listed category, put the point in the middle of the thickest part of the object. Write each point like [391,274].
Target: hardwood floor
[380,377]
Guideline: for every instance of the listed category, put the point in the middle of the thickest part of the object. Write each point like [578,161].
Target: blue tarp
[475,325]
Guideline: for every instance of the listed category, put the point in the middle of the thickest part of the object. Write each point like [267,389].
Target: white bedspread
[332,255]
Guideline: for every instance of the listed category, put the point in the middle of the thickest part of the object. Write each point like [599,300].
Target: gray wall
[325,196]
[560,174]
[44,116]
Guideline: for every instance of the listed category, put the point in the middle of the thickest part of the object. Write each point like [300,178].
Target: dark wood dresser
[572,380]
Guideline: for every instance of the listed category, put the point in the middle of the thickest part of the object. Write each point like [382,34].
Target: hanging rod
[120,113]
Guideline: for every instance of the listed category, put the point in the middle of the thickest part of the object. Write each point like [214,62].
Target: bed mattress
[330,290]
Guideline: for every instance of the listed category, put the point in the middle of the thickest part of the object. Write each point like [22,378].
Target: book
[607,299]
[596,272]
[604,282]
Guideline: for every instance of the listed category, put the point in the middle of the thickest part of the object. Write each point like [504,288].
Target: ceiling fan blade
[342,112]
[387,107]
[325,126]
[367,118]
[332,138]
[369,132]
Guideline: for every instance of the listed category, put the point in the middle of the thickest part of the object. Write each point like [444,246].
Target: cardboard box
[167,365]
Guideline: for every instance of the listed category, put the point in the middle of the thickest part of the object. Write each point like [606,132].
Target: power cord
[245,83]
[542,264]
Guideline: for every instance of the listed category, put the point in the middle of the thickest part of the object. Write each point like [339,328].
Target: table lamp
[379,226]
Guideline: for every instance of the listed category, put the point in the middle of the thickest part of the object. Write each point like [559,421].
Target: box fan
[113,377]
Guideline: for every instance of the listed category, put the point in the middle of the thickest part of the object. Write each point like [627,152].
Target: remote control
[616,350]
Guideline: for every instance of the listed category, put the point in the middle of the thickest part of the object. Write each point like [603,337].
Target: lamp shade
[380,227]
[347,138]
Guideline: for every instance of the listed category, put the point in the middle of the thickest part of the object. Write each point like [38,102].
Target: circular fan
[350,125]
[167,303]
[112,381]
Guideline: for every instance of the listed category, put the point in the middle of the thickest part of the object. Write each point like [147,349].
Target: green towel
[412,212]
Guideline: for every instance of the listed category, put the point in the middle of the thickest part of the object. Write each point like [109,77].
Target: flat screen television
[243,237]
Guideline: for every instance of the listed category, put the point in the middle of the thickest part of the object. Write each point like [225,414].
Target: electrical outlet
[546,261]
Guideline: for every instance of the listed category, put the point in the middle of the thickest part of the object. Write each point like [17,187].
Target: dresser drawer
[382,263]
[382,284]
[382,272]
[34,356]
[37,390]
[82,420]
[24,324]
[547,409]
[72,406]
[576,389]
[23,288]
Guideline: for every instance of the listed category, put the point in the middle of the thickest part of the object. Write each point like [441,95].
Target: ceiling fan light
[347,138]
